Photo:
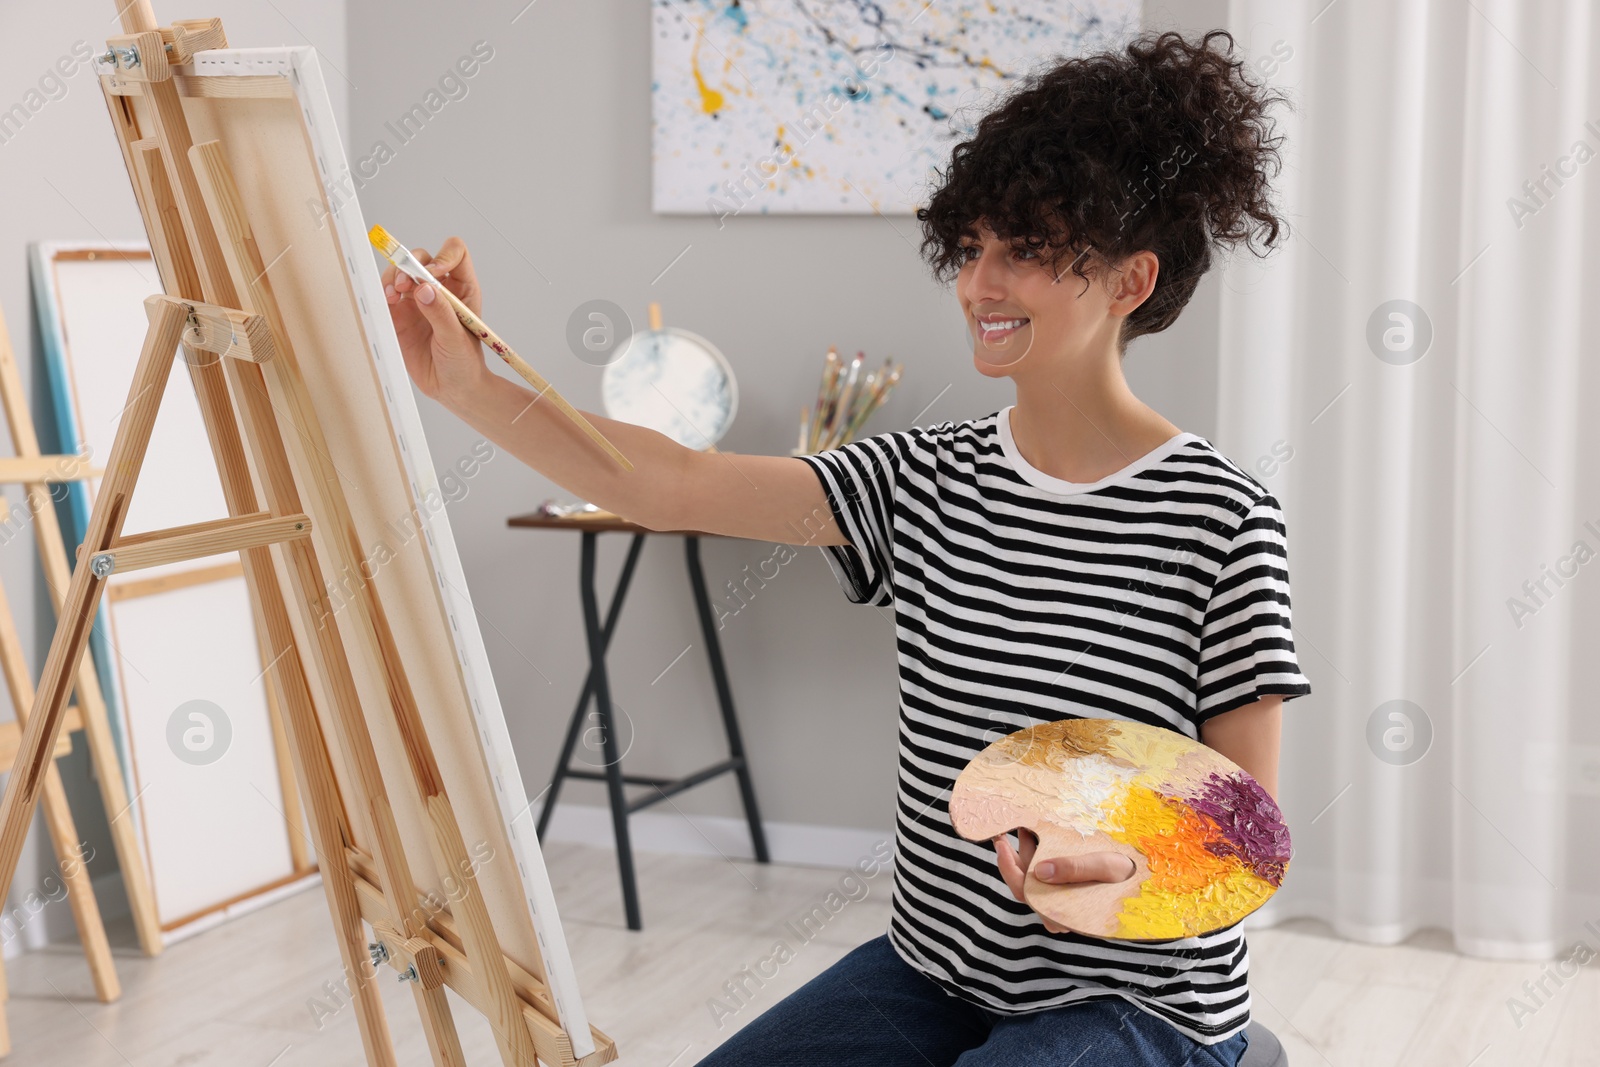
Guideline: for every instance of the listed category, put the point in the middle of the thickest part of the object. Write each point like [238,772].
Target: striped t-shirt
[1158,594]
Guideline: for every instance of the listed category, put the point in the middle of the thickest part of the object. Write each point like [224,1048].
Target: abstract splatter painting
[1208,842]
[840,106]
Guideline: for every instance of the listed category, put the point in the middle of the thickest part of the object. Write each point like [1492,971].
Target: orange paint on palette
[1190,884]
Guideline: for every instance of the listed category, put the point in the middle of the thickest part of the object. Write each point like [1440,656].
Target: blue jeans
[872,1008]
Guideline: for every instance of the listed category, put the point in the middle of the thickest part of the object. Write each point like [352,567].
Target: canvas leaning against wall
[839,108]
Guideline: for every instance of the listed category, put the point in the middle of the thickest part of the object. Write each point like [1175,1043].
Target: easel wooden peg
[185,37]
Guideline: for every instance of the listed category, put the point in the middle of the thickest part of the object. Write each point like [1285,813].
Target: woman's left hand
[1064,870]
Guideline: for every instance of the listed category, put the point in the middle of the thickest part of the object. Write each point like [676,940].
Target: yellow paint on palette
[1190,886]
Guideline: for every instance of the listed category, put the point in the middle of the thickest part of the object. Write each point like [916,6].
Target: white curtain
[1442,504]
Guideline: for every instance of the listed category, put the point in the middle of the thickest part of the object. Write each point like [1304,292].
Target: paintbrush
[845,401]
[830,370]
[852,377]
[401,257]
[878,392]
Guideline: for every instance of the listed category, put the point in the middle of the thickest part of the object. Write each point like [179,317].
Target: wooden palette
[1208,842]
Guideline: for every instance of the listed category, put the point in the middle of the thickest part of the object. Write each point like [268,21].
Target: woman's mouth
[998,329]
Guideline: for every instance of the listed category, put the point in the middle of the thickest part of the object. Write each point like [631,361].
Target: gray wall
[544,169]
[63,179]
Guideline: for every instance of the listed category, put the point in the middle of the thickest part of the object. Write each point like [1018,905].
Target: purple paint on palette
[1250,821]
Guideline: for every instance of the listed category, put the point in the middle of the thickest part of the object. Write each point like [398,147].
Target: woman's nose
[986,284]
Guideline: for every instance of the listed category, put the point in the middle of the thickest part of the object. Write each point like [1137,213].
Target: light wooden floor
[239,995]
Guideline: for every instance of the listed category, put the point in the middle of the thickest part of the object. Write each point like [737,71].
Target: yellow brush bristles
[383,242]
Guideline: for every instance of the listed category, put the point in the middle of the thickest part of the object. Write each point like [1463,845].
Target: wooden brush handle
[531,376]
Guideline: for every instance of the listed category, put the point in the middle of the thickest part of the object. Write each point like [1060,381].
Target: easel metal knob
[415,958]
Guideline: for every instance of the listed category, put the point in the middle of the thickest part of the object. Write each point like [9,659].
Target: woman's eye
[1024,252]
[965,253]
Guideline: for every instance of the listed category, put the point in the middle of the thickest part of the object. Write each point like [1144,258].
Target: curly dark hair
[1163,145]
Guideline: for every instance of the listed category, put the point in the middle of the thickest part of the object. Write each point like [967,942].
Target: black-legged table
[598,685]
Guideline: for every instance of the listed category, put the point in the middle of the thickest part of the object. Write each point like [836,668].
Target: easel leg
[719,677]
[80,893]
[91,704]
[316,782]
[35,764]
[5,1027]
[58,820]
[293,809]
[601,684]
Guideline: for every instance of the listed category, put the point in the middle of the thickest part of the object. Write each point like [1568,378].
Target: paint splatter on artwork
[841,108]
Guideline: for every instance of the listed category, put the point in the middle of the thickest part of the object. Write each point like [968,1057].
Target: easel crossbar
[43,469]
[198,540]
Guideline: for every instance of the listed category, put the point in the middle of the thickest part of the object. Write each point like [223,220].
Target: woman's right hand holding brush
[442,356]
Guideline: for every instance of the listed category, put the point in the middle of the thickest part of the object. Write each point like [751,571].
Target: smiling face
[1022,318]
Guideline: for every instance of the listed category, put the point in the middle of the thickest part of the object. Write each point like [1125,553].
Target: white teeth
[1003,324]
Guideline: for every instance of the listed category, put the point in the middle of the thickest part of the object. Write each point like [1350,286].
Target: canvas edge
[300,66]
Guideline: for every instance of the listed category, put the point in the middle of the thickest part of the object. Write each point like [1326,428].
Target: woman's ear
[1132,282]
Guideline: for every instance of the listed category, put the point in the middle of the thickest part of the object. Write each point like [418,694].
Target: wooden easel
[37,472]
[221,307]
[153,928]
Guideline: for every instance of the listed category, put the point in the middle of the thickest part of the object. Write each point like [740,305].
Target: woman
[1075,554]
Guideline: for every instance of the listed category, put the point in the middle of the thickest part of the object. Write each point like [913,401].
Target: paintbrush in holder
[845,401]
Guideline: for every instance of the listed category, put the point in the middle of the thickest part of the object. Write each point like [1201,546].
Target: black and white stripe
[1159,594]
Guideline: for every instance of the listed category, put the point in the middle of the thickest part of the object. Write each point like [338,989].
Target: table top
[591,522]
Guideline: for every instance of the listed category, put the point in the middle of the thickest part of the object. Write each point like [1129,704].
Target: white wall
[63,178]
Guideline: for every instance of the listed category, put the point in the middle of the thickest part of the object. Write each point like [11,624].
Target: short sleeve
[1246,644]
[858,479]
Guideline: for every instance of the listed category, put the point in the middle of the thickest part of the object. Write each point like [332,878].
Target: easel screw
[121,58]
[379,952]
[125,57]
[409,974]
[103,564]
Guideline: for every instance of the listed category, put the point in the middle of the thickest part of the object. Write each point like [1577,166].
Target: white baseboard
[798,844]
